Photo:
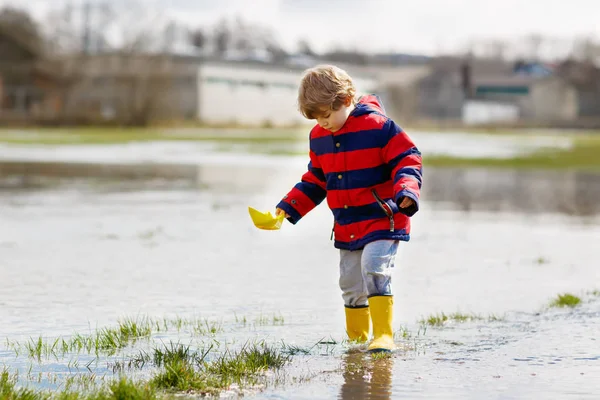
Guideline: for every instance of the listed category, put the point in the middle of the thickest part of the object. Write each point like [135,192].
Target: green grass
[9,391]
[402,333]
[441,319]
[246,363]
[264,320]
[74,136]
[105,340]
[293,350]
[542,260]
[109,340]
[381,356]
[184,370]
[582,156]
[123,389]
[204,366]
[180,369]
[565,300]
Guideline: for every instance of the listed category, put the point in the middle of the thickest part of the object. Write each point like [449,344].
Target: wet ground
[79,254]
[82,255]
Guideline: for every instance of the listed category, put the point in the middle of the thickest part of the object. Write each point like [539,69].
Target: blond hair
[324,87]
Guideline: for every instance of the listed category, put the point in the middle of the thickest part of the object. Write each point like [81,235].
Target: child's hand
[406,202]
[279,211]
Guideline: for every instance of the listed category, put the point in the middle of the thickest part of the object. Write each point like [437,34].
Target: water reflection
[574,193]
[366,377]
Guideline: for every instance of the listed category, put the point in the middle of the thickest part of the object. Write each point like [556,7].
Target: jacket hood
[367,105]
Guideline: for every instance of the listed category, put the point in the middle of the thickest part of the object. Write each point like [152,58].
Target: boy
[370,172]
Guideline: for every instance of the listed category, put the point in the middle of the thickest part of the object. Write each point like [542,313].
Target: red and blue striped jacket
[364,170]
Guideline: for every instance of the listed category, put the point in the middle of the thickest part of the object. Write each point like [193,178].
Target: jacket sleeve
[405,163]
[306,194]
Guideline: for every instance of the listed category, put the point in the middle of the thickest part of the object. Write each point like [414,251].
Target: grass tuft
[293,350]
[180,375]
[177,367]
[402,333]
[442,319]
[382,355]
[246,363]
[565,300]
[109,340]
[185,372]
[176,352]
[278,320]
[9,391]
[583,155]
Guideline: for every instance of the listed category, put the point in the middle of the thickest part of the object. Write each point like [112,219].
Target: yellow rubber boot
[381,308]
[358,322]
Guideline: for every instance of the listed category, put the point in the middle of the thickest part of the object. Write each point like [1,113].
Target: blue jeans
[367,272]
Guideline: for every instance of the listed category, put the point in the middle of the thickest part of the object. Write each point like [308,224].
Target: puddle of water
[574,193]
[520,357]
[73,260]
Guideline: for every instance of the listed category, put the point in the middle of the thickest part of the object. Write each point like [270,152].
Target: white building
[210,91]
[253,94]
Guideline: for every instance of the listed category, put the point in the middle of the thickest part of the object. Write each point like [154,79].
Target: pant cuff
[365,306]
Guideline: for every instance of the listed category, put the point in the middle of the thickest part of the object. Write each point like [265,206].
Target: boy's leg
[354,293]
[377,261]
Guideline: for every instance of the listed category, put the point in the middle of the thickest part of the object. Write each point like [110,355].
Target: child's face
[333,120]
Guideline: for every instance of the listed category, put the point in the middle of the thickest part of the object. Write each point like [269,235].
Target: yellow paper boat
[266,220]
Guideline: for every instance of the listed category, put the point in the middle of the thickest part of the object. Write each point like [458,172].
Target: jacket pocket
[387,208]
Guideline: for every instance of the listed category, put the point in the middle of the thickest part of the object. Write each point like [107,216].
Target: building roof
[505,80]
[479,66]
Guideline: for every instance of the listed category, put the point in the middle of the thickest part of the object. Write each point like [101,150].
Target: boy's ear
[348,101]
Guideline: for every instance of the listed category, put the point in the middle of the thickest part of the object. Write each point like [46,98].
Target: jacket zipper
[386,209]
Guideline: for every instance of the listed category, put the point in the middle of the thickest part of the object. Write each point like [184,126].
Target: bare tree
[252,39]
[222,37]
[586,49]
[199,39]
[243,36]
[305,48]
[278,54]
[21,24]
[534,43]
[22,55]
[120,60]
[18,25]
[498,49]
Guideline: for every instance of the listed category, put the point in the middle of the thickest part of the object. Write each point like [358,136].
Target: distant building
[254,94]
[521,98]
[442,94]
[398,87]
[585,78]
[218,92]
[493,91]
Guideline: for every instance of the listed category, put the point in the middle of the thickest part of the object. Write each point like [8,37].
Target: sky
[419,26]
